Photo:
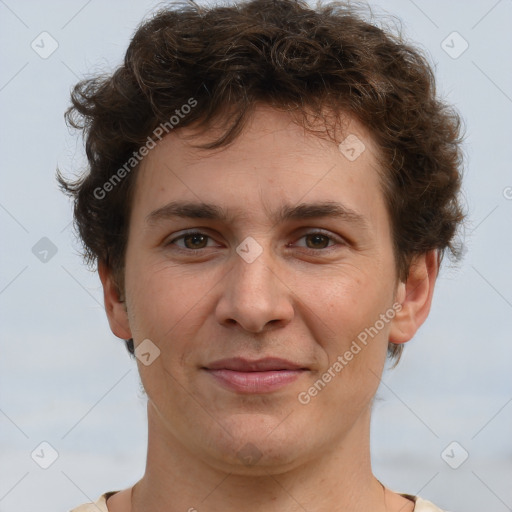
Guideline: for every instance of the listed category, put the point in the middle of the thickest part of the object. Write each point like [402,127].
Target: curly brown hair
[290,56]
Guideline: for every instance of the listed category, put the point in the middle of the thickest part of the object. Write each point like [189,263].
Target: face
[256,270]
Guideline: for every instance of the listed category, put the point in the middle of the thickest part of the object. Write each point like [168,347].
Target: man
[270,193]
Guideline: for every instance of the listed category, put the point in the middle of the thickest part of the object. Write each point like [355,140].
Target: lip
[239,364]
[254,377]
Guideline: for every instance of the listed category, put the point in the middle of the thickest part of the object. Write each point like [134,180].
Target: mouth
[254,377]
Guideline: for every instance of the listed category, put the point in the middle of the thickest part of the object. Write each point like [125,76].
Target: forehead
[268,133]
[273,162]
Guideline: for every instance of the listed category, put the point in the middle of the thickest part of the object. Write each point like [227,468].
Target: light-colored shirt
[101,505]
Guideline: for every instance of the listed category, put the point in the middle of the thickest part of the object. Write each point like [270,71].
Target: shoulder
[98,506]
[421,505]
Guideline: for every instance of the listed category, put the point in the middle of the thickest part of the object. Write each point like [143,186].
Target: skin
[304,299]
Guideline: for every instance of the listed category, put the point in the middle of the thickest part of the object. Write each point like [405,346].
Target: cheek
[345,301]
[162,300]
[355,358]
[167,309]
[349,326]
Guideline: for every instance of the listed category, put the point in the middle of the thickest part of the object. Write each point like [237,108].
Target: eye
[191,241]
[196,240]
[318,240]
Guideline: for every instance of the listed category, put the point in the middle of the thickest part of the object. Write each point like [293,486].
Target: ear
[115,309]
[415,296]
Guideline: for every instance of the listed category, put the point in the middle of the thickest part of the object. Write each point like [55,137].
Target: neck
[339,477]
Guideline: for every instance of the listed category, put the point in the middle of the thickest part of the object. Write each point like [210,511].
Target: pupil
[196,239]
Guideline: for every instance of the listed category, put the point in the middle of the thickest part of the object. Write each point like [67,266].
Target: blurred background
[72,416]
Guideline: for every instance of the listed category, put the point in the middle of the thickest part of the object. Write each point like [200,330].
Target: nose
[254,296]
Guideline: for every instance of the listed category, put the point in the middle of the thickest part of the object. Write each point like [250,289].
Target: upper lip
[239,364]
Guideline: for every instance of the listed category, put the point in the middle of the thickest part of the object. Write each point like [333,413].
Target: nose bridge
[253,295]
[254,278]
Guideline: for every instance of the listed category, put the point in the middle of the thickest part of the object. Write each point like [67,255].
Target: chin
[258,445]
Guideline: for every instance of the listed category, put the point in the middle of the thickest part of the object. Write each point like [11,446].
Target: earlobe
[114,307]
[415,296]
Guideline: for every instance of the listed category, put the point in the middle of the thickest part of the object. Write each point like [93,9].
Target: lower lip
[255,382]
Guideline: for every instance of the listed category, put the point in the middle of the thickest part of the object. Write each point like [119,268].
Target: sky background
[67,381]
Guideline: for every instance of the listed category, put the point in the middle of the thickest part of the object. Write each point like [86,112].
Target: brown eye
[317,241]
[195,241]
[191,241]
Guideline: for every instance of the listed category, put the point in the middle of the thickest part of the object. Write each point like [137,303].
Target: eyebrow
[302,211]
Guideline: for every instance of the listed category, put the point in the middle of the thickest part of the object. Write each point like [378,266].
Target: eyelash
[329,236]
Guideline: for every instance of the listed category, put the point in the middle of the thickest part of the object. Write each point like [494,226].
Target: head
[309,139]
